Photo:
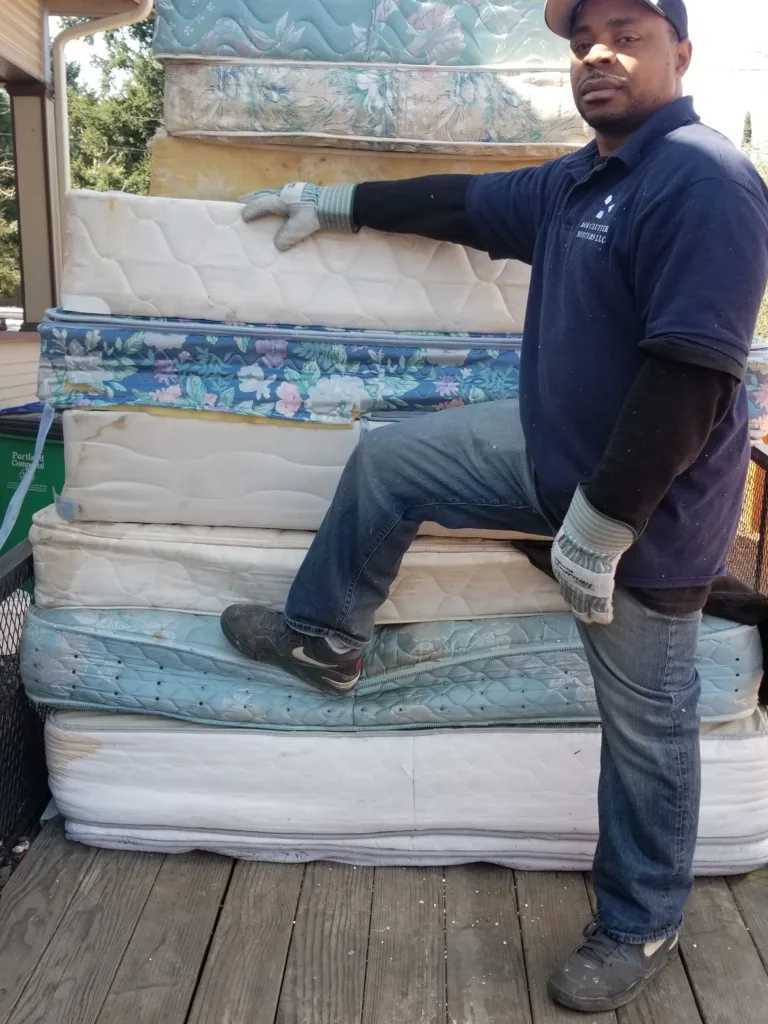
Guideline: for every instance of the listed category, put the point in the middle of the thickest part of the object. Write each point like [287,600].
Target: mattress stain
[209,415]
[88,389]
[76,746]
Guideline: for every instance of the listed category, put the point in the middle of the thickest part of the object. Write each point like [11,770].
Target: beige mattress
[204,569]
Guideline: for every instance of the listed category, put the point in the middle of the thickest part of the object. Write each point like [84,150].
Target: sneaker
[603,974]
[264,635]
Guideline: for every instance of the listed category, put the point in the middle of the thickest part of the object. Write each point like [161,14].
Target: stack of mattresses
[353,90]
[213,389]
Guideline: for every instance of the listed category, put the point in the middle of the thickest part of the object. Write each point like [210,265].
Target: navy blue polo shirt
[661,248]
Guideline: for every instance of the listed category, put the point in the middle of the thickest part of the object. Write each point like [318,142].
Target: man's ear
[684,54]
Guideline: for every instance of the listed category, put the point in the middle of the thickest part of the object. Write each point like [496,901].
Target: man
[649,255]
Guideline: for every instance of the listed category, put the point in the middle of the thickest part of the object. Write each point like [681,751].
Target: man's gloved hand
[307,209]
[585,555]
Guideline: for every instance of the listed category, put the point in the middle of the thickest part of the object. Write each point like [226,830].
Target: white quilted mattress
[202,469]
[204,569]
[195,258]
[522,797]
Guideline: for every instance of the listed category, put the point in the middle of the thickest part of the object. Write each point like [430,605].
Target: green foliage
[746,138]
[10,281]
[110,128]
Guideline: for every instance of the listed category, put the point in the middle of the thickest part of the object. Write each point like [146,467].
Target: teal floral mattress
[371,106]
[272,371]
[506,671]
[460,32]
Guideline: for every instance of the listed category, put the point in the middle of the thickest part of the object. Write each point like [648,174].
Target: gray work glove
[307,209]
[585,556]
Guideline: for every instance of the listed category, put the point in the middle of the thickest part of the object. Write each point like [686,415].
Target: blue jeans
[468,467]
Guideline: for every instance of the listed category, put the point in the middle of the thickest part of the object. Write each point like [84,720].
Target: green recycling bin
[18,432]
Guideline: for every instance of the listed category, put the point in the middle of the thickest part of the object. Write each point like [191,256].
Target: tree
[110,128]
[746,138]
[10,278]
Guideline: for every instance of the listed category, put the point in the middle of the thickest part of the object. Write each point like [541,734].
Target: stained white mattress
[195,258]
[522,797]
[204,569]
[206,470]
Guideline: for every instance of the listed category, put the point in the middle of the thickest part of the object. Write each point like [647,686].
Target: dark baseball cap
[559,15]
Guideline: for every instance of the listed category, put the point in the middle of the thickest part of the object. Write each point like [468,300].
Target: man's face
[626,63]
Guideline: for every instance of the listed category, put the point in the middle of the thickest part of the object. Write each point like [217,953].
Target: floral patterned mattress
[364,106]
[457,32]
[273,371]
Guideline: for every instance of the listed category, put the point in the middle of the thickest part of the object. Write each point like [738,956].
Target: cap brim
[558,15]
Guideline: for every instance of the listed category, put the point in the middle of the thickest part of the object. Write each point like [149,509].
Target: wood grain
[726,973]
[243,974]
[751,895]
[72,979]
[325,972]
[405,983]
[158,974]
[486,979]
[554,908]
[32,905]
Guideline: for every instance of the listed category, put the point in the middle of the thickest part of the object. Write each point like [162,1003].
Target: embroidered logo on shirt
[594,231]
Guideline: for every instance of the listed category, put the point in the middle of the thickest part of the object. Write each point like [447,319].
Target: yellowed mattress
[190,169]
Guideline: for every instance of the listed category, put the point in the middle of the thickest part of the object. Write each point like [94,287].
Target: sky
[80,51]
[729,74]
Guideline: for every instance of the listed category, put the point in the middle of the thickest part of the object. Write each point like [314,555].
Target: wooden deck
[101,937]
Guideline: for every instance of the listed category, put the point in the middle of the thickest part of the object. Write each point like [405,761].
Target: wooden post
[31,107]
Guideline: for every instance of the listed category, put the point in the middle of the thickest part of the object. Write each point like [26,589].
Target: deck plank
[554,908]
[159,971]
[32,904]
[486,981]
[72,979]
[243,974]
[725,970]
[325,972]
[405,982]
[669,992]
[751,895]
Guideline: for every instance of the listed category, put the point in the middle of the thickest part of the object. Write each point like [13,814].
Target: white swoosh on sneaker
[299,655]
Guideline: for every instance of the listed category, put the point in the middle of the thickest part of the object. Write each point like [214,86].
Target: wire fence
[23,778]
